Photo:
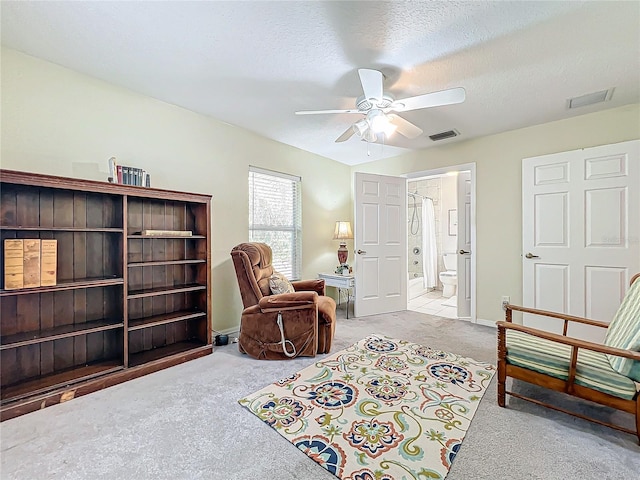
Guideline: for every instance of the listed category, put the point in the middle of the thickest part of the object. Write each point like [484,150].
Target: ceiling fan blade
[404,127]
[371,81]
[346,135]
[435,99]
[315,112]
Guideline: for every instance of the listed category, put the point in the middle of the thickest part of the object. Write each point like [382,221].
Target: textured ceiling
[253,64]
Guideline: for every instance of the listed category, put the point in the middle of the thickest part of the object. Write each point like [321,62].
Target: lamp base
[343,253]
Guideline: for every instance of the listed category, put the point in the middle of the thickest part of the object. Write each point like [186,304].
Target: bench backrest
[624,332]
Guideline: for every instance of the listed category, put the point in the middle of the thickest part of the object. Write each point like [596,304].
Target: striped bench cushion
[545,356]
[624,332]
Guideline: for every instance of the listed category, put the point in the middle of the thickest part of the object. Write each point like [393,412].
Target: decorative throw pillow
[278,283]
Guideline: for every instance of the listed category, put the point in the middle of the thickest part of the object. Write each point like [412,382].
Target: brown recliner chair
[282,326]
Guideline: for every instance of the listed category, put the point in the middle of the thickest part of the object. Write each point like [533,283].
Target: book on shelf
[31,263]
[13,264]
[125,175]
[166,233]
[113,172]
[48,262]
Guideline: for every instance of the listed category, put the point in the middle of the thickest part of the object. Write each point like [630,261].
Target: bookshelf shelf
[174,349]
[68,285]
[40,385]
[57,333]
[152,237]
[61,229]
[164,319]
[152,292]
[167,262]
[109,318]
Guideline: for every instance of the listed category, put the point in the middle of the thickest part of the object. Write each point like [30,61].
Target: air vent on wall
[590,99]
[442,135]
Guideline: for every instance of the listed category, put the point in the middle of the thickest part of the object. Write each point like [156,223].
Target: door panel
[606,167]
[550,213]
[394,231]
[466,292]
[606,281]
[464,244]
[606,217]
[370,224]
[552,287]
[394,272]
[369,270]
[550,174]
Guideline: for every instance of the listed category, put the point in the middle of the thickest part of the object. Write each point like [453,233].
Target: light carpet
[381,409]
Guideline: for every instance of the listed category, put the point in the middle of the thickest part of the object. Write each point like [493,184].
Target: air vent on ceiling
[590,99]
[442,135]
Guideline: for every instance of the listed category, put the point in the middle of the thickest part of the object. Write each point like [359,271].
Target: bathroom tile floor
[432,304]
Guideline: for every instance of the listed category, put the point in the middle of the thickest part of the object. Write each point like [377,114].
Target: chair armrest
[316,285]
[561,316]
[572,342]
[288,301]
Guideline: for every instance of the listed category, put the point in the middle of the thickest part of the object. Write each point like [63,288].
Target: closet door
[580,233]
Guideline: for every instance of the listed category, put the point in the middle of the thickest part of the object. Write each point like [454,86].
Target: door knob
[531,255]
[462,252]
[361,252]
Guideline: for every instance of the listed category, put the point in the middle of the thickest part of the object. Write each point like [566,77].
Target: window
[275,218]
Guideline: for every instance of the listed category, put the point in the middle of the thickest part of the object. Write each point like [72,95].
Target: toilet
[449,278]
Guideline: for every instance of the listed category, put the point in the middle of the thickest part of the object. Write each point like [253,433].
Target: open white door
[464,244]
[380,244]
[580,233]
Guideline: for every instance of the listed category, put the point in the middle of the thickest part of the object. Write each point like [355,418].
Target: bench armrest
[562,316]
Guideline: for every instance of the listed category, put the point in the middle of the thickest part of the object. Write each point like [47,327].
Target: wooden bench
[602,373]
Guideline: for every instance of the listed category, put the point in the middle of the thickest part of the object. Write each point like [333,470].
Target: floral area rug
[382,409]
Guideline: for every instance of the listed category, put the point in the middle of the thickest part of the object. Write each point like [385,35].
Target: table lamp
[343,232]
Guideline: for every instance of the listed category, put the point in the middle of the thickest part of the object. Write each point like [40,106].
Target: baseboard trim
[227,331]
[486,323]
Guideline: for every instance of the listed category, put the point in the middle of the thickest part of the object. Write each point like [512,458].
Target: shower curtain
[429,247]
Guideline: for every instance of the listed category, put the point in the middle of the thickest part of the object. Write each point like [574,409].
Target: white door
[380,244]
[464,244]
[580,233]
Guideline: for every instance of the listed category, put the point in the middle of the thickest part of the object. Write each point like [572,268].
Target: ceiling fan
[379,109]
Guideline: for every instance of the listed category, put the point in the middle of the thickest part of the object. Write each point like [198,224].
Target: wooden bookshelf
[124,305]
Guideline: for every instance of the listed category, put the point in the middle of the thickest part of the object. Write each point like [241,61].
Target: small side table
[346,282]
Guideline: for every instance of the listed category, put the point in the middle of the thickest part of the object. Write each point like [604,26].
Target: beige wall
[57,121]
[498,161]
[60,122]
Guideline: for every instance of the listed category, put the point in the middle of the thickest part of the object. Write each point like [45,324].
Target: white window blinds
[275,218]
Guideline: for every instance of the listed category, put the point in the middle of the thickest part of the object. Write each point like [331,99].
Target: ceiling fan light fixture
[370,136]
[389,128]
[380,123]
[360,127]
[377,120]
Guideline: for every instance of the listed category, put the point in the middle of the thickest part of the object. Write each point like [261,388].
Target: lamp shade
[343,231]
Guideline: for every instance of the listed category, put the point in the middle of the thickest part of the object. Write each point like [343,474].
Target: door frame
[459,168]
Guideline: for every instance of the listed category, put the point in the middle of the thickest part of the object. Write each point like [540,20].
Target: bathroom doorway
[440,240]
